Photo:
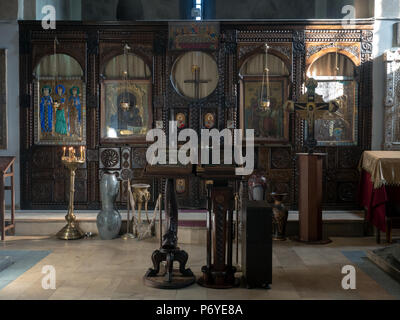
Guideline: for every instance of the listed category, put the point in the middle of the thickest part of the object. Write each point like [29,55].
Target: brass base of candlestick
[70,232]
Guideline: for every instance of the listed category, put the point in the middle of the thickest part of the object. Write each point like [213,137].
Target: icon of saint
[59,103]
[209,120]
[46,111]
[74,112]
[180,120]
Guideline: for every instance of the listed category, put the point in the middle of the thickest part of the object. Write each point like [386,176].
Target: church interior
[200,150]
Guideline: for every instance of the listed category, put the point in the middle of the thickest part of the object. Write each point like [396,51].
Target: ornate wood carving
[110,158]
[138,158]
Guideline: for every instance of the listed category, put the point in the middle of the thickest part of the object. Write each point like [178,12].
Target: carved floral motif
[109,158]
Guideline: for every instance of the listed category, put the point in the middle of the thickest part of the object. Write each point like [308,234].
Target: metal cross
[311,107]
[196,81]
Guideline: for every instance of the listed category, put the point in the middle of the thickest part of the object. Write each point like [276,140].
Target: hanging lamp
[56,103]
[265,96]
[125,97]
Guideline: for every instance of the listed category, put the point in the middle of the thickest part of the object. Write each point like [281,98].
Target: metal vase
[109,219]
[279,216]
[258,193]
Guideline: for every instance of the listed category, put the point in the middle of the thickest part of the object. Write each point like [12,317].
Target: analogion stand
[169,251]
[219,273]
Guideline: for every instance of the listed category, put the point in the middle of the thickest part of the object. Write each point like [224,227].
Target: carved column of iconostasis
[339,59]
[25,101]
[365,77]
[131,103]
[160,44]
[229,100]
[298,128]
[274,131]
[53,114]
[93,107]
[229,40]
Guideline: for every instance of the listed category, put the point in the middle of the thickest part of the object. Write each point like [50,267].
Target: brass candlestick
[72,231]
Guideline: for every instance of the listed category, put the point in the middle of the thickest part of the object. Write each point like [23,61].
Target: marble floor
[96,269]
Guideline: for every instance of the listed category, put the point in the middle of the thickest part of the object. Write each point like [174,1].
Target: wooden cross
[196,81]
[311,107]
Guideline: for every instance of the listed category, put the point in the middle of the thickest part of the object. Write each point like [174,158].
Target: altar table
[379,189]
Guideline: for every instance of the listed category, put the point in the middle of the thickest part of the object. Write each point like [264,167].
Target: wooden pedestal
[310,197]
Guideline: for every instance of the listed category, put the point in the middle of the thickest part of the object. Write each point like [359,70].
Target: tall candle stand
[72,231]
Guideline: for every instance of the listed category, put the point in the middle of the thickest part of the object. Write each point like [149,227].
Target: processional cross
[196,81]
[311,107]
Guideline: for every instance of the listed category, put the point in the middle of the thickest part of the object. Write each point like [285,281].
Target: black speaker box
[257,244]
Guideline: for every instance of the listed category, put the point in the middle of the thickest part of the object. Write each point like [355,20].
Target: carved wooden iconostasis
[200,87]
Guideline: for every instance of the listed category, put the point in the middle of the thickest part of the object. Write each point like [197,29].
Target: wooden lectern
[310,197]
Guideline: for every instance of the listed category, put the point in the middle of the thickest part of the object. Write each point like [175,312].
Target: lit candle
[84,153]
[81,153]
[64,152]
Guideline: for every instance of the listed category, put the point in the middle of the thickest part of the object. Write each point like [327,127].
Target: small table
[379,190]
[6,164]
